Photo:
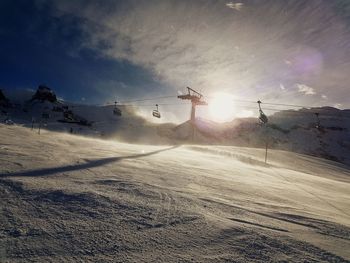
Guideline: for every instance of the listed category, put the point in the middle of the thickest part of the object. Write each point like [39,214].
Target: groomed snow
[67,198]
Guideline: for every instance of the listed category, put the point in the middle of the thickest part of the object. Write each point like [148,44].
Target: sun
[221,107]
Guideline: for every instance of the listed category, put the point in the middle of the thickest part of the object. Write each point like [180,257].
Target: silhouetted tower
[196,100]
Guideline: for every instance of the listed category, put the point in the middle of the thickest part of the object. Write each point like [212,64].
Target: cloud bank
[265,50]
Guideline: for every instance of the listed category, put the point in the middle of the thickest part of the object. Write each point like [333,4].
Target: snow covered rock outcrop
[2,96]
[44,93]
[3,100]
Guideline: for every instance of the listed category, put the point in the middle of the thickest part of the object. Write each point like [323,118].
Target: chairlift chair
[116,110]
[68,115]
[156,112]
[262,117]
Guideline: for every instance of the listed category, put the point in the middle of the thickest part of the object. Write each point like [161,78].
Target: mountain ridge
[291,130]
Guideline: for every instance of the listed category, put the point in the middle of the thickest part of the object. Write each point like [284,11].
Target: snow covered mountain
[89,120]
[292,130]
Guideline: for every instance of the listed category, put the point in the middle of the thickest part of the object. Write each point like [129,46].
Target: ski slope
[66,198]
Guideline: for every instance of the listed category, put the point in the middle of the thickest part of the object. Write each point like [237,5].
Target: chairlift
[116,110]
[156,112]
[262,117]
[68,115]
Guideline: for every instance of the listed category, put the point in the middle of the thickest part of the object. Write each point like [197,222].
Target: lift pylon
[196,100]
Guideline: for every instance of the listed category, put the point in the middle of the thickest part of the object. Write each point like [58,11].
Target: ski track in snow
[66,198]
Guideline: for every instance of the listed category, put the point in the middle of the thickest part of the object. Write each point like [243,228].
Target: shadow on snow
[88,164]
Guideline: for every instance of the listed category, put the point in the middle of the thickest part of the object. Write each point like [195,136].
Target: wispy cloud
[236,6]
[302,88]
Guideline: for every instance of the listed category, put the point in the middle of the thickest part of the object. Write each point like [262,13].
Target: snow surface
[286,130]
[70,198]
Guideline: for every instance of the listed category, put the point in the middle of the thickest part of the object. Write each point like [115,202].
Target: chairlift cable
[241,107]
[121,103]
[234,100]
[266,103]
[273,104]
[152,105]
[147,99]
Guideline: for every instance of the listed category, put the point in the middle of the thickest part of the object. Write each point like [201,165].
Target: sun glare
[221,107]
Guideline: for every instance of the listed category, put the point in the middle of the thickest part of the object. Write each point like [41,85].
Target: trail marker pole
[266,150]
[39,127]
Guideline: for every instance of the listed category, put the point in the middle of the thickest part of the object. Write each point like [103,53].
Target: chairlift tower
[196,100]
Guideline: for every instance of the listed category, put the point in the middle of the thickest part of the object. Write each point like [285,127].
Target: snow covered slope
[287,130]
[68,198]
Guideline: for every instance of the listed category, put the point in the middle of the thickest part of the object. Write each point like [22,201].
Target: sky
[280,51]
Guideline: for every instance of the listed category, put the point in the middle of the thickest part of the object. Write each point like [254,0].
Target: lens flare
[221,107]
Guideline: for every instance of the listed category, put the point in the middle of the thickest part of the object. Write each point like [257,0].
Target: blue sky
[288,51]
[37,47]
